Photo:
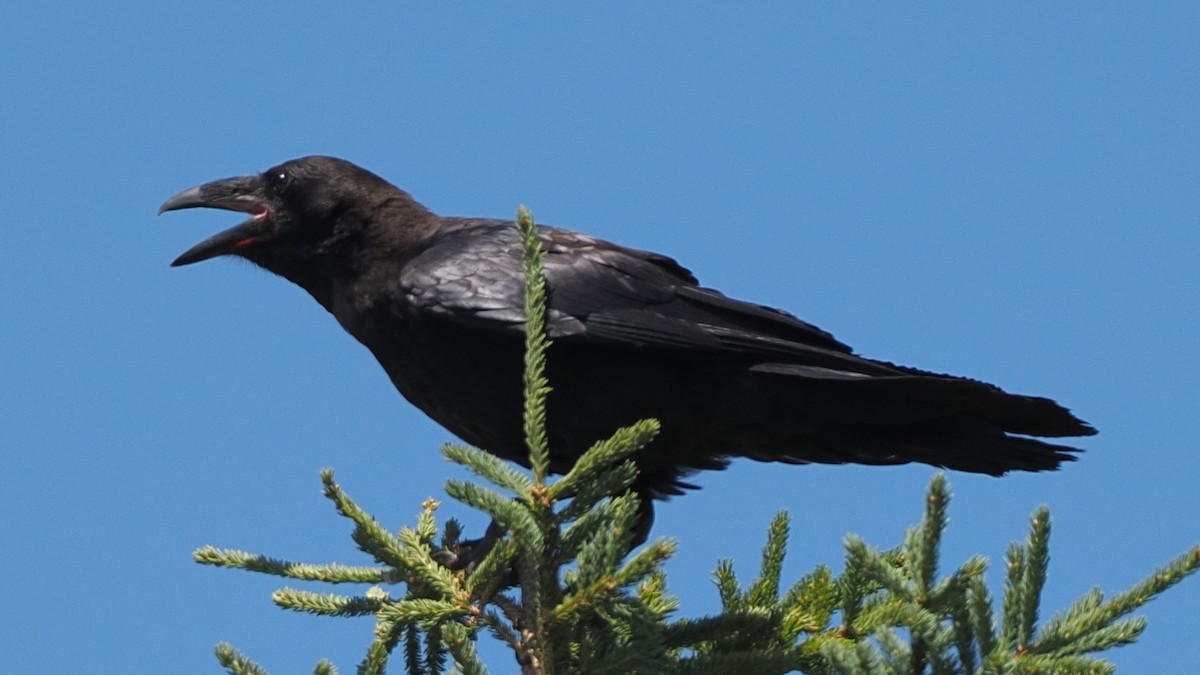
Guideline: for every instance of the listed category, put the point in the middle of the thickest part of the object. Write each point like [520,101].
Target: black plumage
[439,300]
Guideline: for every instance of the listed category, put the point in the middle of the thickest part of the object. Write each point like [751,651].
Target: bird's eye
[280,180]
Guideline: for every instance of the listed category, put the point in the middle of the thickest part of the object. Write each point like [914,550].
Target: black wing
[608,294]
[605,294]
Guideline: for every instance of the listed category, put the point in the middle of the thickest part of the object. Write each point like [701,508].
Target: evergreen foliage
[566,592]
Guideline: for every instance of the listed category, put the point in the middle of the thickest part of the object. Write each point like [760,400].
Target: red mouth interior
[257,209]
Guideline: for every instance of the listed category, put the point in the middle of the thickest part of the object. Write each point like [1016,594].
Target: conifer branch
[875,570]
[712,629]
[418,560]
[536,344]
[1066,665]
[728,589]
[491,574]
[330,572]
[425,611]
[461,645]
[1074,631]
[641,565]
[376,660]
[765,591]
[1037,557]
[606,482]
[371,537]
[489,467]
[922,544]
[582,601]
[582,532]
[512,514]
[412,648]
[501,628]
[328,604]
[603,454]
[236,662]
[979,614]
[1013,600]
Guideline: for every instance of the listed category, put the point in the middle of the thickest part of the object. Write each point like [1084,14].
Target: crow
[439,302]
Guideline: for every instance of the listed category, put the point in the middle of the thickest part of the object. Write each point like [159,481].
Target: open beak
[245,194]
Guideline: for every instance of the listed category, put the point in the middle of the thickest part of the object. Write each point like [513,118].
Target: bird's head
[300,211]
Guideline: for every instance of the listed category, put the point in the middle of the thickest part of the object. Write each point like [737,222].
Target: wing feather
[608,294]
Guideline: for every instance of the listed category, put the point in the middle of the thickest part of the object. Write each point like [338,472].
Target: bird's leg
[645,519]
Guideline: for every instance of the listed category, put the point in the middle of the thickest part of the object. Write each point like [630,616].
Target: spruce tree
[564,589]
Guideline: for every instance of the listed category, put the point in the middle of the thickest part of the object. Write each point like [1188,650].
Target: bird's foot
[469,553]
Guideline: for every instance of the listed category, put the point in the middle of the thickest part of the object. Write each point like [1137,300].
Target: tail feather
[975,450]
[893,399]
[812,415]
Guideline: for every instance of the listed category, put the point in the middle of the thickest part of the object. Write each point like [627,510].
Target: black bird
[439,300]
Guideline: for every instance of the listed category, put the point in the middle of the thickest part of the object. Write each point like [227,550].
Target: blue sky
[1007,192]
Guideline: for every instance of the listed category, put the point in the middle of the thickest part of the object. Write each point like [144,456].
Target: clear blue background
[1008,193]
